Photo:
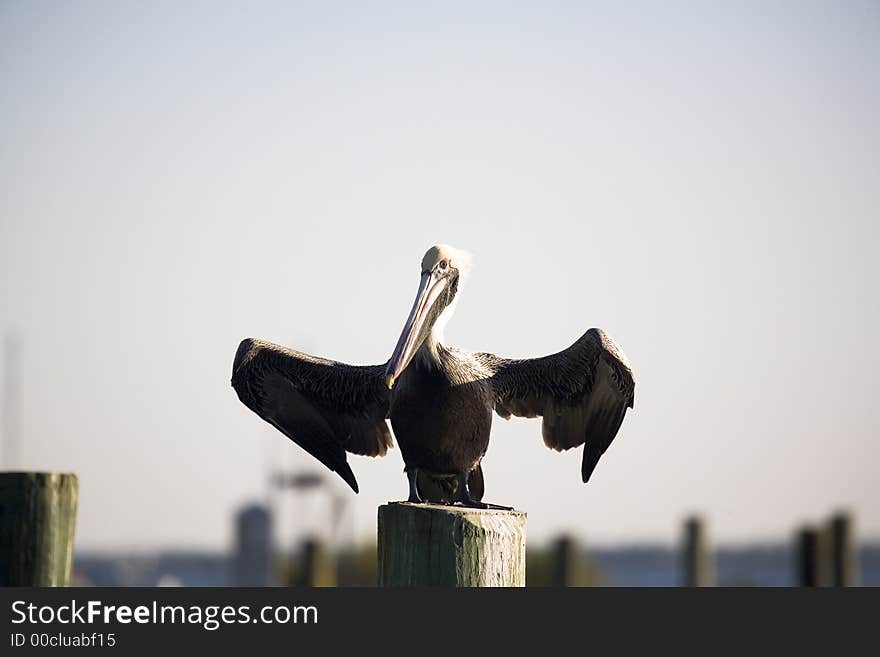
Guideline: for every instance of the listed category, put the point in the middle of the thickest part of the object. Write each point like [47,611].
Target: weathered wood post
[844,550]
[811,557]
[564,561]
[696,556]
[318,567]
[435,545]
[37,522]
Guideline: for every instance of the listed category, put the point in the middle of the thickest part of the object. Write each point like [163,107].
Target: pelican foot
[499,507]
[468,502]
[473,504]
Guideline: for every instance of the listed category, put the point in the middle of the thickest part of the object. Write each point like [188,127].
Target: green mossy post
[436,545]
[844,550]
[564,561]
[37,522]
[696,555]
[812,557]
[317,567]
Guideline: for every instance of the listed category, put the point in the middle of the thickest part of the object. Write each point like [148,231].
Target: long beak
[430,288]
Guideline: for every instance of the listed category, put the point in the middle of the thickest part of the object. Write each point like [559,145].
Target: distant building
[252,562]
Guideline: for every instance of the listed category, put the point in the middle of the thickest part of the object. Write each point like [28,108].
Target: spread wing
[325,407]
[582,393]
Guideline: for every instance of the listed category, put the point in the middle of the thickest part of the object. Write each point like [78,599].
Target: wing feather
[582,393]
[325,407]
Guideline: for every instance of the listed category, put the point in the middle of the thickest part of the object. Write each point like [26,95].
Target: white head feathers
[457,259]
[460,260]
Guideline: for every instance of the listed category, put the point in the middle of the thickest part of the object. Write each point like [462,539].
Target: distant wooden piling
[37,523]
[811,557]
[317,565]
[435,545]
[844,550]
[696,555]
[564,562]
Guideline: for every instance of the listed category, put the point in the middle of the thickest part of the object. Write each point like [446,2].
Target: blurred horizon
[702,182]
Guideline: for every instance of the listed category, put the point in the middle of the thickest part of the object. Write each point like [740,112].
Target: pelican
[439,399]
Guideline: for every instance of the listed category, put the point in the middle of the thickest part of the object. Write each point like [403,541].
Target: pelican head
[442,270]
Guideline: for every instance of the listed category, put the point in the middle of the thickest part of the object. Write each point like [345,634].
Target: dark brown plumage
[325,407]
[582,393]
[439,399]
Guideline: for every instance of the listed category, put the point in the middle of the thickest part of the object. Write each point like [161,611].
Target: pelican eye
[443,264]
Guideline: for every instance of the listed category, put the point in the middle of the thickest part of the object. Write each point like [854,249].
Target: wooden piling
[696,556]
[436,545]
[844,550]
[37,522]
[564,561]
[317,566]
[812,557]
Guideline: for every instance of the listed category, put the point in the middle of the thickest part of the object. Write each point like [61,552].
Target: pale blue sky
[701,180]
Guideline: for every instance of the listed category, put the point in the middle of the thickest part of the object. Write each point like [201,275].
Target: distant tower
[253,554]
[10,454]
